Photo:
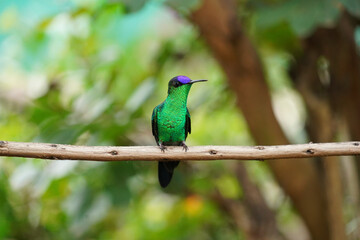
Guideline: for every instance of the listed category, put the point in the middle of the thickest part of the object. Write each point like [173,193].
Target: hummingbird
[171,123]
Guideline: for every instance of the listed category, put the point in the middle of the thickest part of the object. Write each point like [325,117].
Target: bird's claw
[186,148]
[162,147]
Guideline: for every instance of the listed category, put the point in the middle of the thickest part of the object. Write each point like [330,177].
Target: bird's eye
[177,84]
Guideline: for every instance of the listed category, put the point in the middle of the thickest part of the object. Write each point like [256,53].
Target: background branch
[152,153]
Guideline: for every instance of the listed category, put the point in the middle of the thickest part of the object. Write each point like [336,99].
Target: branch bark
[152,153]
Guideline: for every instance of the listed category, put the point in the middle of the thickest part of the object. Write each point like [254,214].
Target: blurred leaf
[42,8]
[134,5]
[5,208]
[185,6]
[16,129]
[229,187]
[357,38]
[353,6]
[278,36]
[302,15]
[118,173]
[140,95]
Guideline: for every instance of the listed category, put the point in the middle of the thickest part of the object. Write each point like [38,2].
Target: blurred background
[89,72]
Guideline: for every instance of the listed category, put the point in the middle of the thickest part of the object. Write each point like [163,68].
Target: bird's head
[181,83]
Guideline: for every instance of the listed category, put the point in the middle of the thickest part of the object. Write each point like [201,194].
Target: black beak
[195,81]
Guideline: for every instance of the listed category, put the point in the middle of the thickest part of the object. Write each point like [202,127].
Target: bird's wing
[154,124]
[187,123]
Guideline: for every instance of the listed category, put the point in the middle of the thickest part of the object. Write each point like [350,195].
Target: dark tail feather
[165,172]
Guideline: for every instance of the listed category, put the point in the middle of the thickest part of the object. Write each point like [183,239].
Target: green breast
[171,116]
[171,123]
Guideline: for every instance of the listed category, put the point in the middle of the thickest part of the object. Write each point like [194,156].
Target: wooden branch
[153,153]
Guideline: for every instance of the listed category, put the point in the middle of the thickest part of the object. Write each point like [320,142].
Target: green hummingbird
[171,123]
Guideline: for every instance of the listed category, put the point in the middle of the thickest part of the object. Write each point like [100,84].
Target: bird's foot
[186,148]
[162,147]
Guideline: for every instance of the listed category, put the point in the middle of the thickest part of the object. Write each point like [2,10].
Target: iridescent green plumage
[171,123]
[171,118]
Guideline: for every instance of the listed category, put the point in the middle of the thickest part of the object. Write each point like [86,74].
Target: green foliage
[90,72]
[302,16]
[353,6]
[184,6]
